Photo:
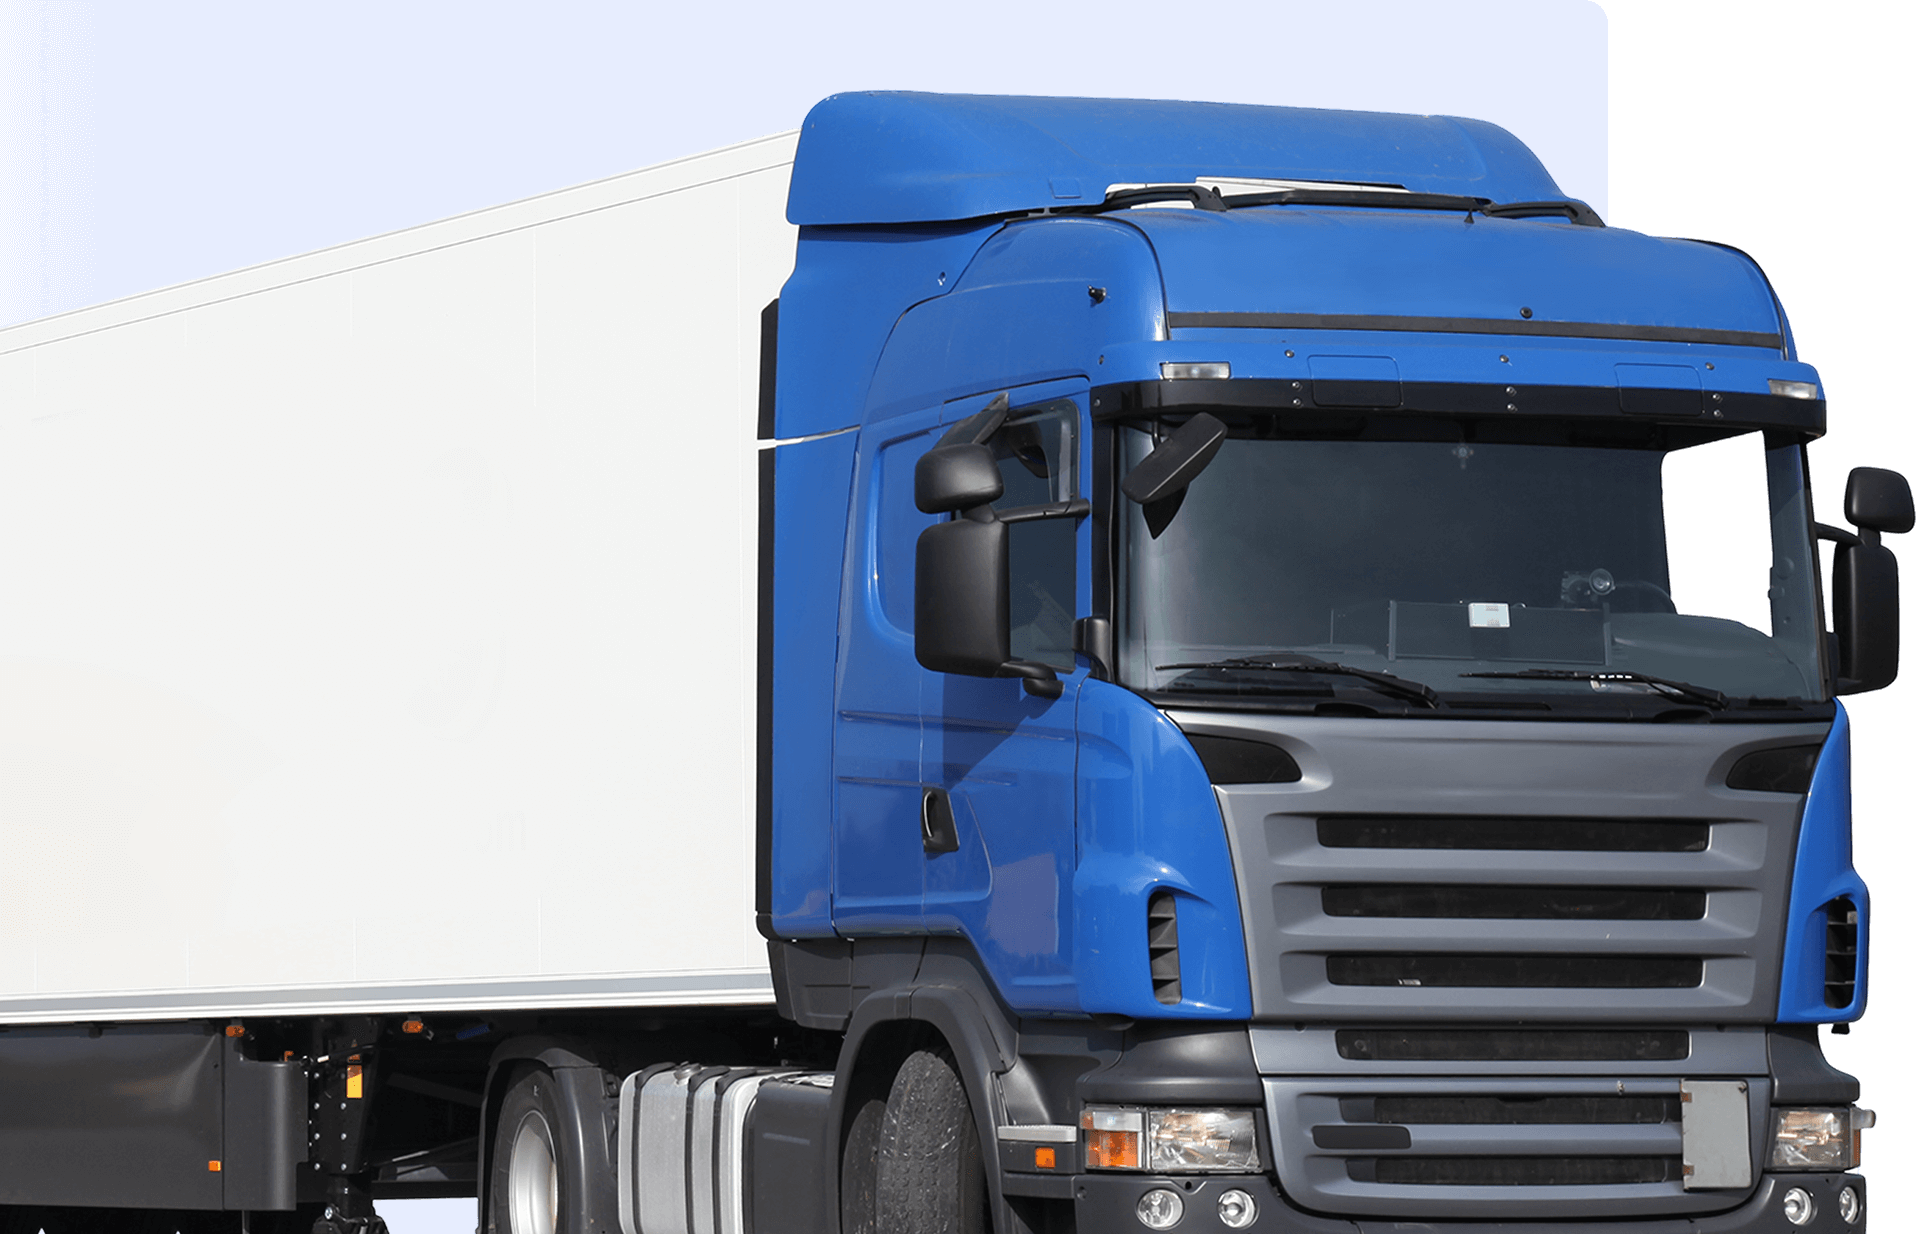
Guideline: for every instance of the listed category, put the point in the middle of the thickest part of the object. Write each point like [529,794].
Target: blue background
[185,139]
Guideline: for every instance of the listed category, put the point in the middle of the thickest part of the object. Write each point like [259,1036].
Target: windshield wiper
[1387,683]
[1674,689]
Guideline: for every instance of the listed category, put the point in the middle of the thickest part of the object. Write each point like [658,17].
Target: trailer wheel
[525,1185]
[929,1177]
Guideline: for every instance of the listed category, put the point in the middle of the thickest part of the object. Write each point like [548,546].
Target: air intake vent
[1482,1111]
[1164,948]
[1838,966]
[1514,1171]
[1540,972]
[1515,903]
[1541,835]
[1510,1045]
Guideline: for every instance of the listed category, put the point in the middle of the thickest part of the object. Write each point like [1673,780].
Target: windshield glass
[1458,555]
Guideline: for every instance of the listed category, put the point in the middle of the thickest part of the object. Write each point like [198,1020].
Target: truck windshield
[1547,559]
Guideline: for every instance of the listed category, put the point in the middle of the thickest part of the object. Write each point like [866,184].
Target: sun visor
[880,158]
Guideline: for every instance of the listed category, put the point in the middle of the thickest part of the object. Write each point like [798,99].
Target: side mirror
[961,605]
[961,597]
[1879,500]
[956,477]
[1160,481]
[1868,603]
[961,566]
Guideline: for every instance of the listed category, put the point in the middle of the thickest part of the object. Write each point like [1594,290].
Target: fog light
[1160,1209]
[1849,1205]
[1798,1206]
[1236,1208]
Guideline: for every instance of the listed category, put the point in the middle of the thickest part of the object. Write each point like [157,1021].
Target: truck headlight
[1170,1141]
[1819,1139]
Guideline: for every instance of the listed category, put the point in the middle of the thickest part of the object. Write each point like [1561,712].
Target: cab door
[879,856]
[1003,757]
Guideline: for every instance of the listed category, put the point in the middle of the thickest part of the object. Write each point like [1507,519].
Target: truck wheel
[525,1188]
[857,1167]
[928,1173]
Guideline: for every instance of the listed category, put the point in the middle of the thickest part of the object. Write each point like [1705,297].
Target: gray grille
[1483,1146]
[1471,870]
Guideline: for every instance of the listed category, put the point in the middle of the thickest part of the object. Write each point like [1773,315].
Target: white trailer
[394,560]
[378,682]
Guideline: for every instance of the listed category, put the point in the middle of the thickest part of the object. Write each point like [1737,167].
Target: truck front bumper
[1106,1204]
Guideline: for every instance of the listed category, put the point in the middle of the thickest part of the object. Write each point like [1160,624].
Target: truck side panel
[350,598]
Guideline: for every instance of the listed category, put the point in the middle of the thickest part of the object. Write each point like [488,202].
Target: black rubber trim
[764,703]
[1471,325]
[770,350]
[1281,395]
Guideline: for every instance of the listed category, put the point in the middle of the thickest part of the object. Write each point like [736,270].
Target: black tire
[928,1175]
[525,1193]
[857,1166]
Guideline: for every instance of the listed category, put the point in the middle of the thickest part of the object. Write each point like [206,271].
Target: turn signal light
[1113,1138]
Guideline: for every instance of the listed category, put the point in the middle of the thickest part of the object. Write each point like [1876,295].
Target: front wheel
[928,1176]
[525,1193]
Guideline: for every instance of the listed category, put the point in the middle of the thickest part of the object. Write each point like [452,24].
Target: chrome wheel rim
[533,1184]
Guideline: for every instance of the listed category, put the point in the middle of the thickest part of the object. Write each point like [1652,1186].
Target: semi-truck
[993,664]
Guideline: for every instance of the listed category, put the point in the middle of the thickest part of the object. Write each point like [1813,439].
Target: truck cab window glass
[1036,452]
[1429,549]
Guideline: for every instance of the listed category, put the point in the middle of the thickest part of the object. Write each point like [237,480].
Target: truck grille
[1515,903]
[1512,1045]
[1557,835]
[1512,871]
[1514,1171]
[1482,1146]
[1558,972]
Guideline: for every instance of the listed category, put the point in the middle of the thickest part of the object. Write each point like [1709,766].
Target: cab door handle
[937,822]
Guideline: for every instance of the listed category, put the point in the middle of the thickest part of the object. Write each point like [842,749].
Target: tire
[857,1167]
[525,1195]
[928,1176]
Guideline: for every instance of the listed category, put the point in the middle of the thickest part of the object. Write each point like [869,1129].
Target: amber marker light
[213,1167]
[1044,1159]
[236,1030]
[1113,1138]
[413,1026]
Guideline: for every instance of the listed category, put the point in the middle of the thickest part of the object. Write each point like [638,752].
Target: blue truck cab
[1297,693]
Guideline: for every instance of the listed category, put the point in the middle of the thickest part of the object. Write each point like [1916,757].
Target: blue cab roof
[884,157]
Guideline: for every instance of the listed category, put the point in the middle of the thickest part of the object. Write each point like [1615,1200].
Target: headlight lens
[1170,1141]
[1817,1139]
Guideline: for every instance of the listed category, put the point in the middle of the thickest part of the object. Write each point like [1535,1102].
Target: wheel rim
[533,1184]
